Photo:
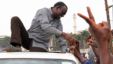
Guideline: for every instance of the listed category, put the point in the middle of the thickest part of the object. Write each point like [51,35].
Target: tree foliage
[81,37]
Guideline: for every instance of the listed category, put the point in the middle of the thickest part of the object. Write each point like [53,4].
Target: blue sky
[26,9]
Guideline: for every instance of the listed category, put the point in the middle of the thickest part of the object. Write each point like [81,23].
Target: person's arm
[102,34]
[47,27]
[96,52]
[71,40]
[74,49]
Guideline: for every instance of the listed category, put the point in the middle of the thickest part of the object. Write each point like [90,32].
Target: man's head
[90,40]
[59,9]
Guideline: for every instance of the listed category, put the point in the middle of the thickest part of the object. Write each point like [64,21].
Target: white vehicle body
[39,57]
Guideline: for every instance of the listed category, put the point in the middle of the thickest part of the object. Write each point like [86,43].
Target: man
[93,50]
[45,24]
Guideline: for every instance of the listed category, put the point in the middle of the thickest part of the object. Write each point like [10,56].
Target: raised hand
[102,34]
[100,31]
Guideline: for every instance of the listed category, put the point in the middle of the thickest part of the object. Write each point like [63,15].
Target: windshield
[35,61]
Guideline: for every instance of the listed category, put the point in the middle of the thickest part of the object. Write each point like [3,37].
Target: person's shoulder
[44,9]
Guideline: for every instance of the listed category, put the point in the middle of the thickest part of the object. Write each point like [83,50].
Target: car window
[35,61]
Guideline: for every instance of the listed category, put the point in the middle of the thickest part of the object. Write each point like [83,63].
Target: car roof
[36,55]
[41,55]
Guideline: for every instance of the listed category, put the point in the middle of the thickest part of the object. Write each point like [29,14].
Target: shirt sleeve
[46,26]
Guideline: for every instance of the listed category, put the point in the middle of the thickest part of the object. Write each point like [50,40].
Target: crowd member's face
[60,11]
[90,41]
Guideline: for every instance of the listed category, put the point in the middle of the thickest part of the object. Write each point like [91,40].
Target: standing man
[45,24]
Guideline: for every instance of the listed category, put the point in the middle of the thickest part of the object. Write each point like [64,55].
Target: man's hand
[69,38]
[73,43]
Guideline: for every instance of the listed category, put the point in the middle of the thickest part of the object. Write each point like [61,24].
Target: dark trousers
[20,37]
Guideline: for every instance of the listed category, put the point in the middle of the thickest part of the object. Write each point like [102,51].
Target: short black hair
[60,4]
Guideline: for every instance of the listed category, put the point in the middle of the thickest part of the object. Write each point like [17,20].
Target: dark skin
[103,41]
[97,30]
[73,44]
[59,12]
